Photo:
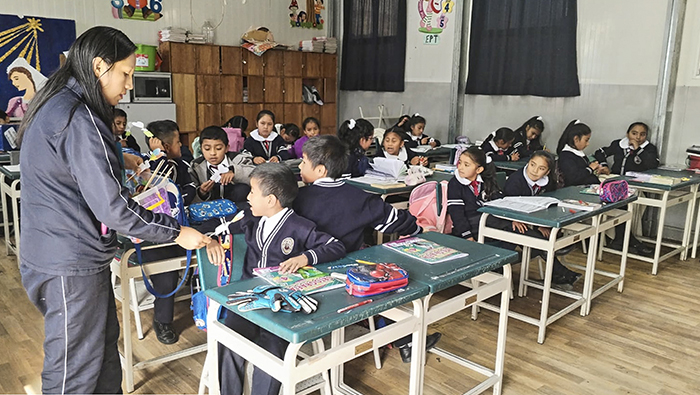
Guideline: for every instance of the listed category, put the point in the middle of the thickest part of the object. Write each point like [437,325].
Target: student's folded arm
[388,219]
[323,248]
[455,209]
[91,157]
[284,154]
[602,154]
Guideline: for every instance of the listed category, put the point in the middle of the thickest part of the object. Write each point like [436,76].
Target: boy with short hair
[219,174]
[275,235]
[345,211]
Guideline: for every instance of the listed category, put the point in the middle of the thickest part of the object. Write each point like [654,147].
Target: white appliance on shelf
[147,112]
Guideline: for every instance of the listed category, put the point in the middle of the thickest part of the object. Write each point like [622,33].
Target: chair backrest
[208,272]
[501,179]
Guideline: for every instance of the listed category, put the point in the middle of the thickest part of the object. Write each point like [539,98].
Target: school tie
[535,189]
[475,187]
[500,152]
[267,145]
[213,168]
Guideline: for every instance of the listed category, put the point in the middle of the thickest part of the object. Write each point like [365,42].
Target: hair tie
[416,114]
[539,117]
[577,122]
[488,159]
[351,124]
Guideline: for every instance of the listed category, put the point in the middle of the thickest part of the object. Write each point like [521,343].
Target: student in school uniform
[632,153]
[416,126]
[290,133]
[498,146]
[533,180]
[393,146]
[353,210]
[119,129]
[275,235]
[218,173]
[574,164]
[264,144]
[528,137]
[311,127]
[403,123]
[72,186]
[357,136]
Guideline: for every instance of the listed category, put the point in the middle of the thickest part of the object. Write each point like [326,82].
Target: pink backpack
[428,203]
[235,139]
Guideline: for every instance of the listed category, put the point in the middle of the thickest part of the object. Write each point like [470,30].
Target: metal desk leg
[590,265]
[625,249]
[544,312]
[502,331]
[128,357]
[212,360]
[688,225]
[5,215]
[660,232]
[695,238]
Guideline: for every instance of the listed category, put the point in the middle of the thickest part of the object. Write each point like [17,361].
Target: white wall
[238,17]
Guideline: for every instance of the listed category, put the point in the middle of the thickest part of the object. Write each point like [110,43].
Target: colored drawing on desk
[424,250]
[308,279]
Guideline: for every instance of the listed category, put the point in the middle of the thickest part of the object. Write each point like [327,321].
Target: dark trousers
[232,366]
[81,332]
[164,283]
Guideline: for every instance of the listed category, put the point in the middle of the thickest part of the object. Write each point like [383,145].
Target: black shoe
[565,251]
[165,332]
[616,244]
[430,342]
[642,249]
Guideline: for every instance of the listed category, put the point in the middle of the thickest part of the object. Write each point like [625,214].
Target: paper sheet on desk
[523,204]
[12,168]
[422,148]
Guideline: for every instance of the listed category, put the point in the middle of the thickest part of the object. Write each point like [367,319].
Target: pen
[352,306]
[364,262]
[343,266]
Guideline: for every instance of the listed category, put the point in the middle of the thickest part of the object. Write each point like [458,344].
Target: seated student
[219,174]
[632,153]
[534,180]
[119,130]
[4,118]
[573,162]
[264,144]
[275,235]
[416,126]
[239,122]
[166,137]
[403,123]
[528,137]
[311,128]
[393,147]
[289,132]
[357,136]
[323,162]
[499,146]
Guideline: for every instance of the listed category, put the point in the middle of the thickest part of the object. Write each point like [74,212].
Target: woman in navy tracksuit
[70,187]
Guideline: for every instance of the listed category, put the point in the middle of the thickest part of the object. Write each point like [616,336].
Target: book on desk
[523,204]
[424,250]
[579,205]
[308,279]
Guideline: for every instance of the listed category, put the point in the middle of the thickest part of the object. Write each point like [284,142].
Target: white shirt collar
[223,167]
[625,143]
[416,138]
[402,156]
[542,182]
[494,146]
[269,223]
[465,181]
[257,137]
[567,147]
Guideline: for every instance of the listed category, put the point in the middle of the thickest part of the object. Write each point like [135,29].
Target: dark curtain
[374,45]
[524,47]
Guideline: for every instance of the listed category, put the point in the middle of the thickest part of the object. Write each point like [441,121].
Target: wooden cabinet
[313,64]
[328,118]
[273,90]
[329,90]
[208,88]
[229,110]
[252,64]
[311,110]
[293,114]
[278,110]
[208,115]
[250,112]
[207,59]
[232,60]
[177,57]
[292,90]
[255,89]
[330,66]
[293,64]
[231,89]
[273,61]
[184,92]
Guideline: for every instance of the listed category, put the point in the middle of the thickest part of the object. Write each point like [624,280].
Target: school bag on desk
[369,280]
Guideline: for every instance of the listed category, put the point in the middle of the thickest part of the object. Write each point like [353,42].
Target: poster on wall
[309,17]
[30,47]
[138,10]
[433,18]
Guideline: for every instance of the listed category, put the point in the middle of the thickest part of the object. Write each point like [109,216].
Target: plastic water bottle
[208,32]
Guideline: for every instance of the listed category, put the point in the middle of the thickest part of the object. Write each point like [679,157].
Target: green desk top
[299,327]
[11,175]
[437,176]
[437,151]
[5,158]
[482,258]
[511,166]
[692,179]
[557,217]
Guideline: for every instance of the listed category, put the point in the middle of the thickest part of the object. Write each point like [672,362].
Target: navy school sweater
[524,146]
[575,170]
[462,206]
[490,149]
[517,185]
[344,211]
[411,143]
[255,145]
[626,159]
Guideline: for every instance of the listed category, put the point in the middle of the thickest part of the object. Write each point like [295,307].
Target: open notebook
[384,171]
[523,204]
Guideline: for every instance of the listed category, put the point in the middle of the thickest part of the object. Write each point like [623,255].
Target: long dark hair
[534,122]
[477,155]
[100,41]
[351,137]
[575,128]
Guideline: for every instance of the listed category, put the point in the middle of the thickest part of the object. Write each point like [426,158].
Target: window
[374,45]
[525,47]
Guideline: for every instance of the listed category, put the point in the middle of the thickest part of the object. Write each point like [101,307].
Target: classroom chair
[207,279]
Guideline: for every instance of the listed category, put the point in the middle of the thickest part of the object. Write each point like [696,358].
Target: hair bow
[351,124]
[539,117]
[577,122]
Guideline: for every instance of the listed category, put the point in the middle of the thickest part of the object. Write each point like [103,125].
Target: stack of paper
[523,204]
[653,178]
[384,171]
[173,34]
[196,38]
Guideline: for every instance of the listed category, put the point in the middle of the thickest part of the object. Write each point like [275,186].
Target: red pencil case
[369,280]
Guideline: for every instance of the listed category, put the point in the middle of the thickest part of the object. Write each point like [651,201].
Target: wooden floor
[643,341]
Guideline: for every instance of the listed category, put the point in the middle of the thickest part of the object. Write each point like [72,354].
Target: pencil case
[200,212]
[369,280]
[613,191]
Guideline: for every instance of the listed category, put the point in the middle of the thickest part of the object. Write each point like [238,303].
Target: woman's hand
[191,239]
[132,162]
